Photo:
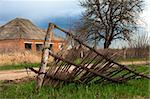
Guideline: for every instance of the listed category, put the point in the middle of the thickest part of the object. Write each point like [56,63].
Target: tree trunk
[44,59]
[106,44]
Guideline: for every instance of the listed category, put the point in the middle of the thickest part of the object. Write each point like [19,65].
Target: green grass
[18,66]
[133,89]
[141,68]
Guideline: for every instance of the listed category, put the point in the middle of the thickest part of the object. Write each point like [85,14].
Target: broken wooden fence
[96,69]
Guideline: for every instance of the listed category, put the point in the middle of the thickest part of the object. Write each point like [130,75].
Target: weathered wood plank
[45,55]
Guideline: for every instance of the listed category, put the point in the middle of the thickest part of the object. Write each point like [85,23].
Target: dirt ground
[18,74]
[136,63]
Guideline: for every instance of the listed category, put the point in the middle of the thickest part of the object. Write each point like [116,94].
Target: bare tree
[108,20]
[139,46]
[82,32]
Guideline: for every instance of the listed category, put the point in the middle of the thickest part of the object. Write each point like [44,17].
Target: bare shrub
[139,46]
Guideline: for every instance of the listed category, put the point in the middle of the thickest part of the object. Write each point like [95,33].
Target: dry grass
[19,58]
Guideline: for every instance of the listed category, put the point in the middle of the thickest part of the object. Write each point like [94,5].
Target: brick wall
[11,45]
[19,44]
[56,45]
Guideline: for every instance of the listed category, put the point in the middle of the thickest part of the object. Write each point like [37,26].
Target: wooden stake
[45,55]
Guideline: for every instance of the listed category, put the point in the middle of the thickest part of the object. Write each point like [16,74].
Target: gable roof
[22,28]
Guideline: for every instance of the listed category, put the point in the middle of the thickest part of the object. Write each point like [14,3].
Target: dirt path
[18,74]
[136,63]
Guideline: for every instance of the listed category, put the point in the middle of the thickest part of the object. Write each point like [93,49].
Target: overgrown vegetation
[18,66]
[133,59]
[139,46]
[11,58]
[19,60]
[133,89]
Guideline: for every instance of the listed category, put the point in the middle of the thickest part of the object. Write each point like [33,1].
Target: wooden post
[45,55]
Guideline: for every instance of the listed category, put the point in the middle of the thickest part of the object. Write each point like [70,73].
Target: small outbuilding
[22,34]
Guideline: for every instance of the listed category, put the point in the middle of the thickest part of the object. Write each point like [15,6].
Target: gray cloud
[37,10]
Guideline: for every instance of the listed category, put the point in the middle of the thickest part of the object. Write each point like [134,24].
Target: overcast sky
[59,12]
[42,11]
[39,11]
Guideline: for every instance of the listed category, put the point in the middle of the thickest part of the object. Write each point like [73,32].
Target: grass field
[133,89]
[19,66]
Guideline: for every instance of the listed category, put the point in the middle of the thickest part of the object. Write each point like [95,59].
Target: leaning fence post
[45,54]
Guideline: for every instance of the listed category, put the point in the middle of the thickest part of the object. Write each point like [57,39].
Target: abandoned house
[22,34]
